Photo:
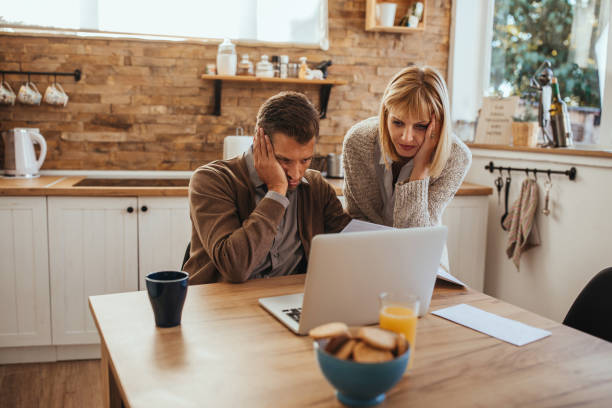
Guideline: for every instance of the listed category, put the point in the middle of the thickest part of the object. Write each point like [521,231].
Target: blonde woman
[403,167]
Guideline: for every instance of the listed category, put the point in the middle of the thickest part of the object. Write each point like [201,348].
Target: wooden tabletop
[65,186]
[230,352]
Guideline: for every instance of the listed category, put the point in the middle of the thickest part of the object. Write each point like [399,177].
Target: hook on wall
[571,173]
[76,74]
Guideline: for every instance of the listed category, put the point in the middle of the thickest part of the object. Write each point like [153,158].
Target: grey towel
[522,232]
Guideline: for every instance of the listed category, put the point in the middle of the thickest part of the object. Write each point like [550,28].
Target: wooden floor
[64,384]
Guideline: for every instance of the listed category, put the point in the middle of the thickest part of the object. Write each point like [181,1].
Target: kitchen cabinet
[164,229]
[105,245]
[65,243]
[24,272]
[93,250]
[466,219]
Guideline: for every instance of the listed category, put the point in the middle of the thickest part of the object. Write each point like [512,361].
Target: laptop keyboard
[294,313]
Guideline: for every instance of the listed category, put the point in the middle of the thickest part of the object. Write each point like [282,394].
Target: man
[254,216]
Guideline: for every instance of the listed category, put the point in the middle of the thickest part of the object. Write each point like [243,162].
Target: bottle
[559,118]
[245,67]
[284,65]
[293,70]
[275,66]
[264,68]
[303,74]
[226,58]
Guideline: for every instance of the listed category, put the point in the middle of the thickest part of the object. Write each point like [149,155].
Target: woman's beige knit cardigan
[419,203]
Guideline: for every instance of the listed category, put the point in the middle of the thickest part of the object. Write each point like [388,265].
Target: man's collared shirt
[286,254]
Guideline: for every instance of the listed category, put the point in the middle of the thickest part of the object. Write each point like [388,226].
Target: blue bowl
[360,384]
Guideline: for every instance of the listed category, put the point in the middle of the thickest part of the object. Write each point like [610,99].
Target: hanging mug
[28,94]
[7,96]
[55,95]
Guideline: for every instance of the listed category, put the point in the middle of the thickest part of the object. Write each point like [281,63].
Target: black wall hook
[571,173]
[76,74]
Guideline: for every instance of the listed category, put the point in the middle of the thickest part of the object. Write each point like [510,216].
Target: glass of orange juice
[399,313]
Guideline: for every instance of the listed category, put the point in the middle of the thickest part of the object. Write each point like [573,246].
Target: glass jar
[245,67]
[226,58]
[284,62]
[292,70]
[264,68]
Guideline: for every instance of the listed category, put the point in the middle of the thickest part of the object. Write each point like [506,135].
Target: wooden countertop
[64,186]
[564,151]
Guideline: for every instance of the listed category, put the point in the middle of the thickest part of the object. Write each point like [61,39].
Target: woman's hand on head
[424,156]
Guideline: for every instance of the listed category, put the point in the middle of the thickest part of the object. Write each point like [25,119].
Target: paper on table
[508,330]
[361,226]
[445,276]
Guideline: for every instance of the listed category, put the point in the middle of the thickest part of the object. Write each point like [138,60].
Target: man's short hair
[290,113]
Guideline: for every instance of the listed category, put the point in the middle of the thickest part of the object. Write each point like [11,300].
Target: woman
[403,167]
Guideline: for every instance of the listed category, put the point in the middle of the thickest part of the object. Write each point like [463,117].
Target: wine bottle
[559,118]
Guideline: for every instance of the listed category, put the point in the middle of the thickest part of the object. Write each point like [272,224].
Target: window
[517,36]
[278,21]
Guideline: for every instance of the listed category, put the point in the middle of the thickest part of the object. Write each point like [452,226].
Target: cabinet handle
[144,208]
[130,209]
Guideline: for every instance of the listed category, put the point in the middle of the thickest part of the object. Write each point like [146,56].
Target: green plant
[527,32]
[528,115]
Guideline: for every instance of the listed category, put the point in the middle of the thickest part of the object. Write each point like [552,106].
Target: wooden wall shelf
[326,85]
[402,7]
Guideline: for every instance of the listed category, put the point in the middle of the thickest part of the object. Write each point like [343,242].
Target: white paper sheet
[445,276]
[508,330]
[361,226]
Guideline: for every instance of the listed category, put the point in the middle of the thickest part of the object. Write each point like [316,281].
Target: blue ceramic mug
[167,291]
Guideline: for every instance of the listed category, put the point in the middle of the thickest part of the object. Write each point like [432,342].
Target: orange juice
[400,319]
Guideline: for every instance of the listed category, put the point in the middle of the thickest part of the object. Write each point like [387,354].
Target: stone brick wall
[141,105]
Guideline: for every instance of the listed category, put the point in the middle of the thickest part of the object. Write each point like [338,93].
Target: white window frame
[89,30]
[468,79]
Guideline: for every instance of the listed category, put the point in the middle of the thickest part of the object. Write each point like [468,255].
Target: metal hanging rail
[571,173]
[76,74]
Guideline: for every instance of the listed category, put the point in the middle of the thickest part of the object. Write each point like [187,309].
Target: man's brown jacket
[231,235]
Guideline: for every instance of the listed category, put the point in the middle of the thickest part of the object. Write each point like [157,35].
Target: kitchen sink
[132,182]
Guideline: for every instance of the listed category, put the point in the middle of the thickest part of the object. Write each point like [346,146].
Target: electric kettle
[19,158]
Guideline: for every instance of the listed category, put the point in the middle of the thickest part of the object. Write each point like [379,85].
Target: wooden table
[229,352]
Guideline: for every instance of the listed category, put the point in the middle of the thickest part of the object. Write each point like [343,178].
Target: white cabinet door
[24,272]
[93,251]
[164,229]
[466,219]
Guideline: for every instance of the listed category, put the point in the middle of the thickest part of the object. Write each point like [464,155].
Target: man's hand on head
[268,168]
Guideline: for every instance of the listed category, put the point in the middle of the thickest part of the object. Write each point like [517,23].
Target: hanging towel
[522,232]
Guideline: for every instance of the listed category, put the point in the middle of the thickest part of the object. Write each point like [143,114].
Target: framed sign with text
[495,120]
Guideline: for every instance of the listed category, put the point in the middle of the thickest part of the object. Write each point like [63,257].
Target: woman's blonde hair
[418,93]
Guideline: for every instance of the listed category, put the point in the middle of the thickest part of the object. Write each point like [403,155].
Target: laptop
[347,271]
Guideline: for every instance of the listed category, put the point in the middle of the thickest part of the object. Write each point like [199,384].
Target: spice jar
[245,67]
[284,61]
[292,70]
[264,68]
